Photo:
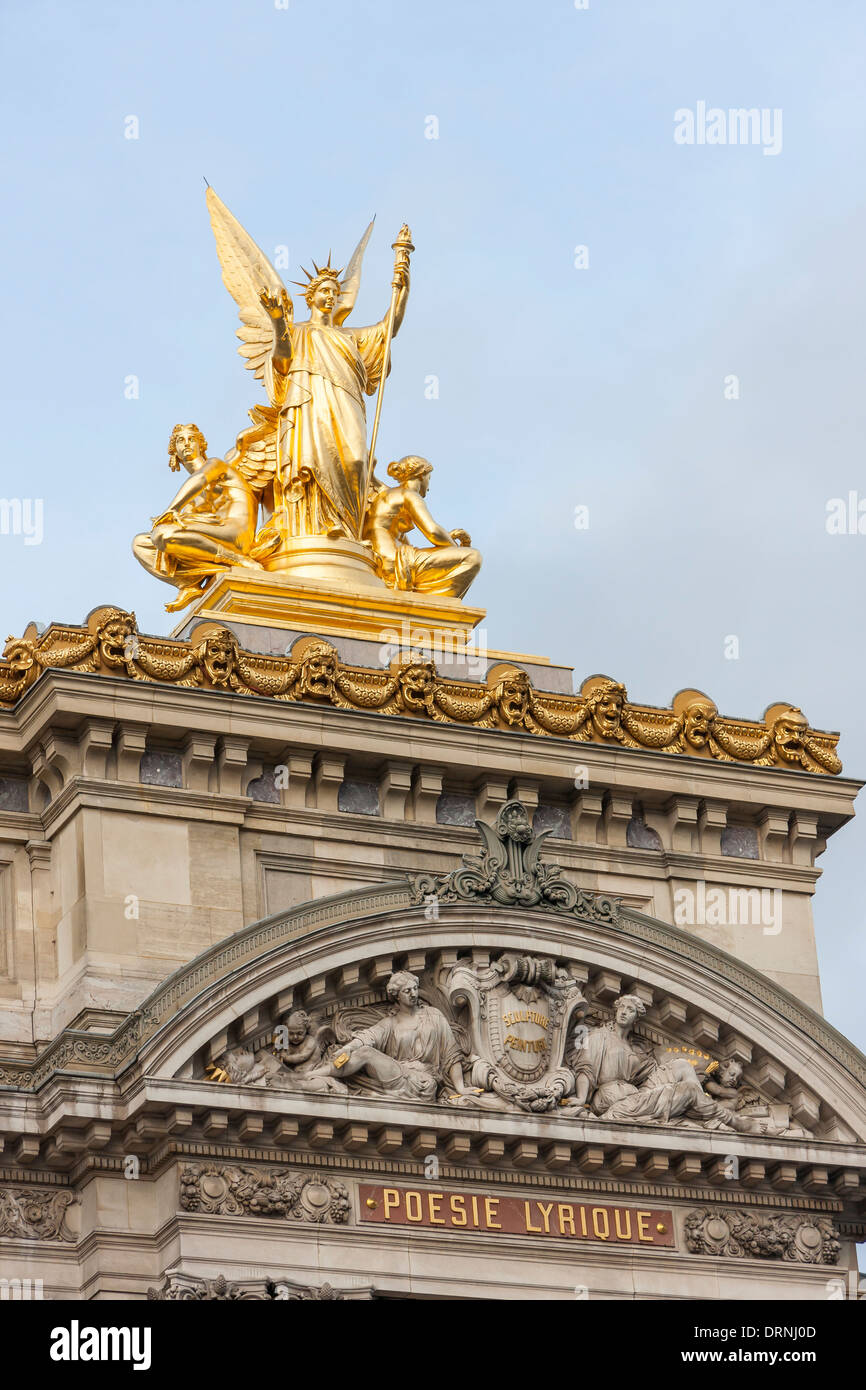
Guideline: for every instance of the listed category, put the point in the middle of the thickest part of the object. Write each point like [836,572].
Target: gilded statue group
[304,467]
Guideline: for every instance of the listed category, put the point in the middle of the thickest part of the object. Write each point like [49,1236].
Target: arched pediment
[518,972]
[698,997]
[514,959]
[494,1031]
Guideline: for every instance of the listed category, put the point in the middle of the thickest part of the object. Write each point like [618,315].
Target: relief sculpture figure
[615,1081]
[410,1052]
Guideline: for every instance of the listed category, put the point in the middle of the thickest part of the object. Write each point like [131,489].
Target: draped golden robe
[321,481]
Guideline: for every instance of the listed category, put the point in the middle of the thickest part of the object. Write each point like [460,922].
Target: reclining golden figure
[209,526]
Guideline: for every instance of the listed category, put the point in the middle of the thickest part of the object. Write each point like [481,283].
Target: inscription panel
[489,1214]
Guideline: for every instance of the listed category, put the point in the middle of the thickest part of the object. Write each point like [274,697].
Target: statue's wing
[351,281]
[255,453]
[246,272]
[348,1022]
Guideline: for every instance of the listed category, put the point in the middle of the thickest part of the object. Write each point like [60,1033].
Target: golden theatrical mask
[448,566]
[209,525]
[111,645]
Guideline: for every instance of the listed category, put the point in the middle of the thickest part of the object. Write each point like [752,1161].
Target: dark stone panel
[161,768]
[361,798]
[13,794]
[740,842]
[455,808]
[553,818]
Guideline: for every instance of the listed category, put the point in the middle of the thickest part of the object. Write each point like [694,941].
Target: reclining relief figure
[615,1081]
[410,1052]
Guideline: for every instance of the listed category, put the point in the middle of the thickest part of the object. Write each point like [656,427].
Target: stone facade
[183,871]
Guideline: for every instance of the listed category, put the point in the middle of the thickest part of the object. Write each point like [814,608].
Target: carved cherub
[753,1113]
[243,1067]
[301,1048]
[292,1066]
[726,1084]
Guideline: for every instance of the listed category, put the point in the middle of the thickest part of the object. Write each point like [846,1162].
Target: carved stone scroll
[30,1214]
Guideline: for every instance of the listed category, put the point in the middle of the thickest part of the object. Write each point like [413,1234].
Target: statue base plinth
[354,602]
[334,561]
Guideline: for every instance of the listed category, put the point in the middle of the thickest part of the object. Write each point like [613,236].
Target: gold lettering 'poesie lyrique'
[535,1216]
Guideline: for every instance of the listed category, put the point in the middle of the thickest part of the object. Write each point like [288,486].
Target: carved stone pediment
[508,1031]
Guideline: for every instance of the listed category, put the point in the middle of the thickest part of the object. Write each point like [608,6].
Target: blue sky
[558,387]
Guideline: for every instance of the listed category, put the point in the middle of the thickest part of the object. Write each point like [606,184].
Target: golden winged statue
[316,374]
[298,487]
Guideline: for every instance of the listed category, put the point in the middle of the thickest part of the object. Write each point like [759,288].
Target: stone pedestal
[298,599]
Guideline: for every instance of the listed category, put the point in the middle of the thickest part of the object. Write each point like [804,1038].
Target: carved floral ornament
[29,1213]
[222,1189]
[744,1234]
[110,644]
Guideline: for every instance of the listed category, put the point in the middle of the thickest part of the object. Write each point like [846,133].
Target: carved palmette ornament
[509,871]
[189,1288]
[812,1240]
[226,1190]
[520,1009]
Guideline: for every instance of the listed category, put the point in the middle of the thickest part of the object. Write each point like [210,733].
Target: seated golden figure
[448,567]
[209,526]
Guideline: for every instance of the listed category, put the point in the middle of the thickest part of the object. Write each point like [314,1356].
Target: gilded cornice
[312,671]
